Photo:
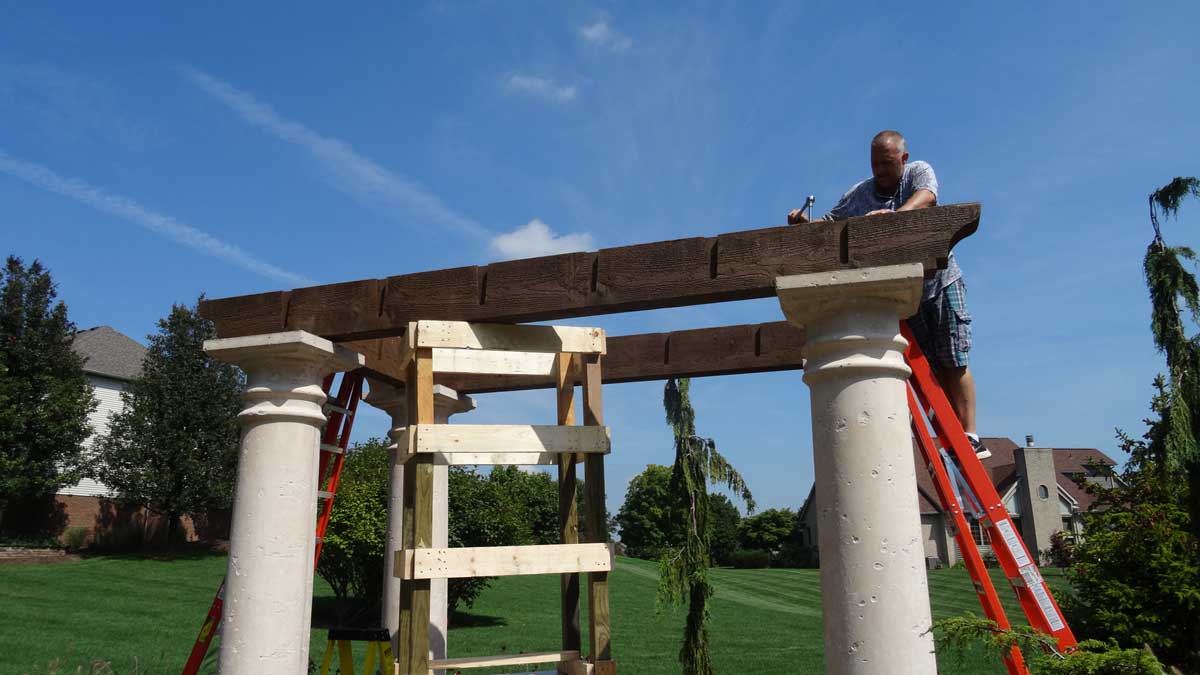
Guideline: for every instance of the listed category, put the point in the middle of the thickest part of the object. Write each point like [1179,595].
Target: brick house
[111,361]
[1038,486]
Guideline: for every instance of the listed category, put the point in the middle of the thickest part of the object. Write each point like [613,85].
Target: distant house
[1038,486]
[111,361]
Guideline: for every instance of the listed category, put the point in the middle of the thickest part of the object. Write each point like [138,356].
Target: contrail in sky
[128,209]
[354,173]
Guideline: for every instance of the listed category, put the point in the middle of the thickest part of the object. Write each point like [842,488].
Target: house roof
[107,352]
[1002,468]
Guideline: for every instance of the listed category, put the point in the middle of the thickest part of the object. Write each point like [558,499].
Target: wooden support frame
[502,561]
[413,653]
[503,438]
[569,661]
[568,513]
[600,633]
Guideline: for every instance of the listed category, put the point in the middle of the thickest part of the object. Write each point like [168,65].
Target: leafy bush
[352,553]
[29,541]
[1040,650]
[75,538]
[750,558]
[1062,549]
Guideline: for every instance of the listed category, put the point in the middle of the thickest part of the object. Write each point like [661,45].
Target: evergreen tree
[45,397]
[684,570]
[173,449]
[1173,288]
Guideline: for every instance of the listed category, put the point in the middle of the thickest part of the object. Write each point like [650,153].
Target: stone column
[874,594]
[393,401]
[265,622]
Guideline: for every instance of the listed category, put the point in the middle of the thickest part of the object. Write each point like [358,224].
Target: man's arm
[920,199]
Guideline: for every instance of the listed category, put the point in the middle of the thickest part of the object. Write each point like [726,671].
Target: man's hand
[797,217]
[877,212]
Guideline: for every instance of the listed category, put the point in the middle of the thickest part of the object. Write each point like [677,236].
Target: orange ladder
[959,477]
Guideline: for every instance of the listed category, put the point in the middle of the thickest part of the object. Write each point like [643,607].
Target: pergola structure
[842,286]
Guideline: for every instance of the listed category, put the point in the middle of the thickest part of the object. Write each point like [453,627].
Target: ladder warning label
[1033,580]
[1015,547]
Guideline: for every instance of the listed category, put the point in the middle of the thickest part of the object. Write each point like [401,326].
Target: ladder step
[504,438]
[329,407]
[330,447]
[504,660]
[501,561]
[324,494]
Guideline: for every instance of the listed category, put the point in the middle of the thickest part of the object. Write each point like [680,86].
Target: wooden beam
[504,337]
[734,266]
[727,350]
[501,561]
[568,513]
[504,438]
[600,632]
[527,658]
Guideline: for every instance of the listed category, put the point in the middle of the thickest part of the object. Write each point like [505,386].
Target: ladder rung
[329,407]
[324,494]
[330,447]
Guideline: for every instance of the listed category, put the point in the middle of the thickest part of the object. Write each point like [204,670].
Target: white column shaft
[268,587]
[875,596]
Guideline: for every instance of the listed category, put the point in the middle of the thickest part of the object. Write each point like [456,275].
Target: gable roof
[110,353]
[1002,467]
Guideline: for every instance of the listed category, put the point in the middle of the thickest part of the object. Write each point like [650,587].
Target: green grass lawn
[142,616]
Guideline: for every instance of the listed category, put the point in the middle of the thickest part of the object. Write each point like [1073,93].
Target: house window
[978,533]
[1043,492]
[1068,526]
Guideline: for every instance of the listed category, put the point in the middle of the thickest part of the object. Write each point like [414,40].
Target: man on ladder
[942,324]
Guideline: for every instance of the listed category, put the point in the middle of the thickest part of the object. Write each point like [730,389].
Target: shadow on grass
[161,554]
[466,620]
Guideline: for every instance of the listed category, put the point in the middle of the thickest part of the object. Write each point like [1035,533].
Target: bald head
[888,155]
[889,139]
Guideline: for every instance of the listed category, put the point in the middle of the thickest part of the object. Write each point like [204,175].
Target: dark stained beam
[701,352]
[734,266]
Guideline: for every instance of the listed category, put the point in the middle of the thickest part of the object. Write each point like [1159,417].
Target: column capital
[447,402]
[806,298]
[283,373]
[387,397]
[270,348]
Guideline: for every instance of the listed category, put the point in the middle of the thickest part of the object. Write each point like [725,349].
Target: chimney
[1029,440]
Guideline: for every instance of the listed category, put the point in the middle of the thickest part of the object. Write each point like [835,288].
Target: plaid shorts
[942,326]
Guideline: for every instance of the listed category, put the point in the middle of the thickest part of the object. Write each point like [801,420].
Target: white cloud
[601,34]
[354,173]
[159,223]
[541,87]
[536,238]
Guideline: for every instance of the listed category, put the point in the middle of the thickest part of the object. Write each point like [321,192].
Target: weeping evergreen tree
[683,571]
[1173,289]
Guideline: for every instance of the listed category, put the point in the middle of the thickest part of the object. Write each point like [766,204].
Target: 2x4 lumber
[491,459]
[505,337]
[481,438]
[501,561]
[413,632]
[568,509]
[506,660]
[600,635]
[727,267]
[492,362]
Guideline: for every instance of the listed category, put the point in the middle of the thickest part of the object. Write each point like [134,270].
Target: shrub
[1062,549]
[749,558]
[75,538]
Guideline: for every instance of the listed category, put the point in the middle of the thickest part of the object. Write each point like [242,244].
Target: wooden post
[600,633]
[568,513]
[413,656]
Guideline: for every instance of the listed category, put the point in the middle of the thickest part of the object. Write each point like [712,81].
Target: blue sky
[149,155]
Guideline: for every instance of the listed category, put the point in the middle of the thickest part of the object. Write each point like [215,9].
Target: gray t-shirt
[863,198]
